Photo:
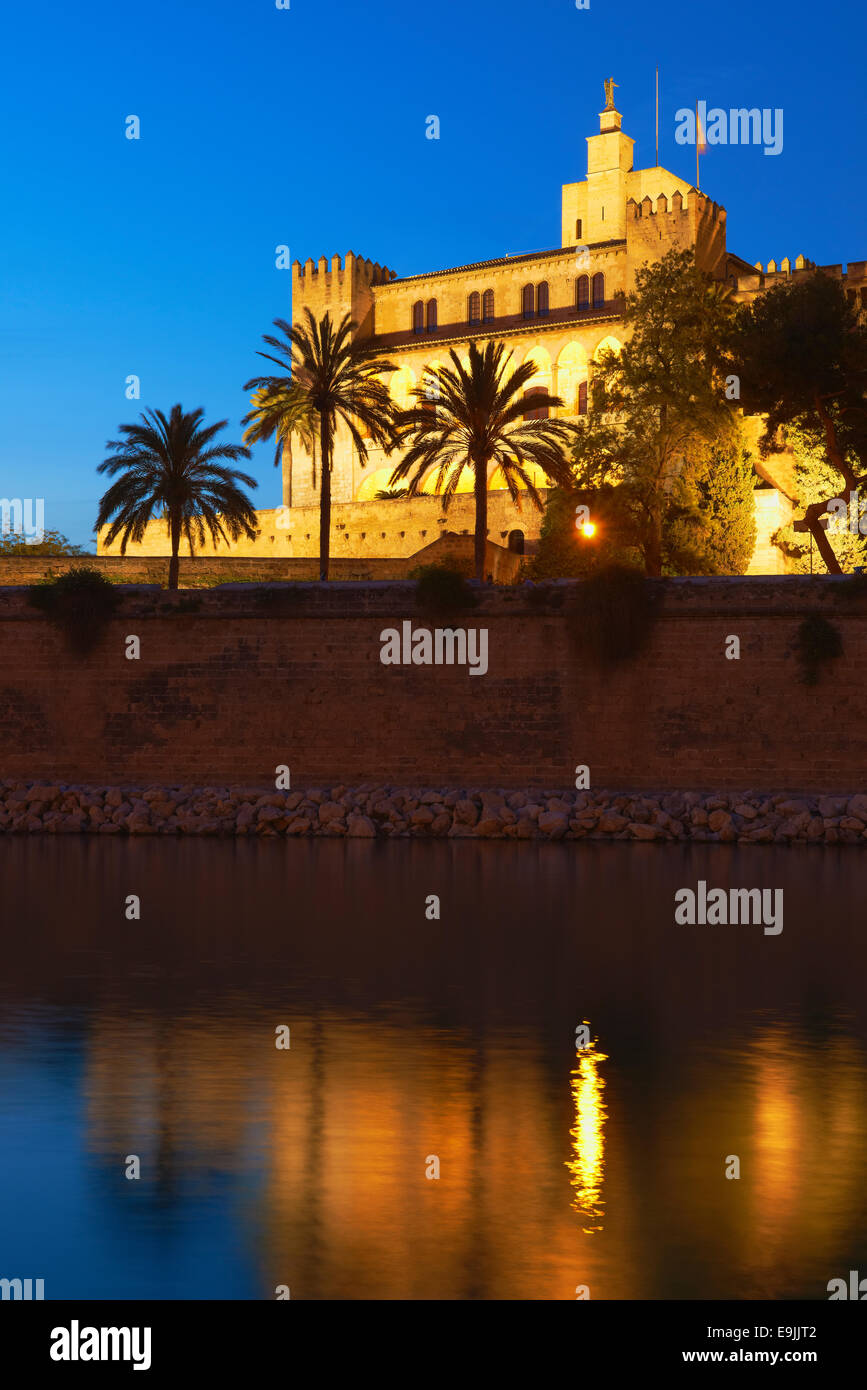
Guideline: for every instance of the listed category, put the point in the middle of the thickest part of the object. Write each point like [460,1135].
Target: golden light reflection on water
[806,1102]
[333,1139]
[587,1166]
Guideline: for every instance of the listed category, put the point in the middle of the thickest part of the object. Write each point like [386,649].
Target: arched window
[418,316]
[598,289]
[571,371]
[488,306]
[541,412]
[431,315]
[516,542]
[582,398]
[582,291]
[474,307]
[542,298]
[527,301]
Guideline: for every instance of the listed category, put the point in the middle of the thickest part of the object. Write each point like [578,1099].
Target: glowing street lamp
[588,529]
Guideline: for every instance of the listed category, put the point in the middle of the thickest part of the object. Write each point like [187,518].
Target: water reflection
[307,1166]
[588,1139]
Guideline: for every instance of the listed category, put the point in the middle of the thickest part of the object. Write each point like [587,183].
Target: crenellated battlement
[343,270]
[680,220]
[345,285]
[854,277]
[678,205]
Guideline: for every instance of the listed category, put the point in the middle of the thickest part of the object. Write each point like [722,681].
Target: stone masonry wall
[232,683]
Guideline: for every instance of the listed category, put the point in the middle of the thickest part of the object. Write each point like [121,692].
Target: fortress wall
[363,530]
[235,685]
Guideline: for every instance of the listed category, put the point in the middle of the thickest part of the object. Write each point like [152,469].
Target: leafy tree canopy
[802,362]
[52,543]
[659,406]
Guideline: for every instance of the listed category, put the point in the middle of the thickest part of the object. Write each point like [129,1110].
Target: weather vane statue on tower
[609,86]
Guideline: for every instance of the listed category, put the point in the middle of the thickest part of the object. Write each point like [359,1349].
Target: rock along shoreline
[374,811]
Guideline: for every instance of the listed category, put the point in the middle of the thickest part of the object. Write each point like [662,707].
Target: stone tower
[346,286]
[651,210]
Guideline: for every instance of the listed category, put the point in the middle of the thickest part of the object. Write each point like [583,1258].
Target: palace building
[558,308]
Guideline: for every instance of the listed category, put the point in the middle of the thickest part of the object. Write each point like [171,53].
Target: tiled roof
[505,326]
[504,260]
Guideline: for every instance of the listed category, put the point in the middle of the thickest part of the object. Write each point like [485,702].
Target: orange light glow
[587,1164]
[588,529]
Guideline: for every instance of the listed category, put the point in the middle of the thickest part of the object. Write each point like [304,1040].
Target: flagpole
[657,118]
[696,148]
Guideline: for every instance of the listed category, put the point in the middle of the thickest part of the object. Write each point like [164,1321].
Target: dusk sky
[306,126]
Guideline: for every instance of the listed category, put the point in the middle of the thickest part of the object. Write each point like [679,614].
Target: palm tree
[278,414]
[475,416]
[340,378]
[170,468]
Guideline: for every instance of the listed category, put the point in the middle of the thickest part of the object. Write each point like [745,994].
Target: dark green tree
[801,357]
[52,543]
[564,551]
[712,530]
[170,467]
[658,403]
[814,482]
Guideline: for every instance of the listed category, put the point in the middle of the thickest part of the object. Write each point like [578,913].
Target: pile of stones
[370,811]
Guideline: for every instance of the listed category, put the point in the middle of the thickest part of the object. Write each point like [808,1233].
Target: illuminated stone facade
[558,308]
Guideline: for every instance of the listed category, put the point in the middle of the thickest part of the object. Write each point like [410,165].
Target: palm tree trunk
[481,491]
[286,471]
[174,562]
[324,500]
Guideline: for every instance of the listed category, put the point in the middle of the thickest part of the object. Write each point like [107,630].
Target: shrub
[612,614]
[563,553]
[79,602]
[441,589]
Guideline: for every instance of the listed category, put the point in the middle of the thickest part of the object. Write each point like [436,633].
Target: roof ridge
[504,260]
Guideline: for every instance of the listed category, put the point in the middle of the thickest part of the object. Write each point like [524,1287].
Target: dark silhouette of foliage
[475,417]
[80,602]
[339,378]
[441,589]
[53,543]
[170,467]
[801,358]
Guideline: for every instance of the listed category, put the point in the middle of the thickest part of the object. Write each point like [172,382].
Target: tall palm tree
[281,413]
[170,468]
[340,377]
[476,416]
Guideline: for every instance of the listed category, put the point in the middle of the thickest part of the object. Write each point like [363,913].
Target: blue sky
[306,126]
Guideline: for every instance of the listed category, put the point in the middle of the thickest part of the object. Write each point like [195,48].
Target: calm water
[412,1038]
